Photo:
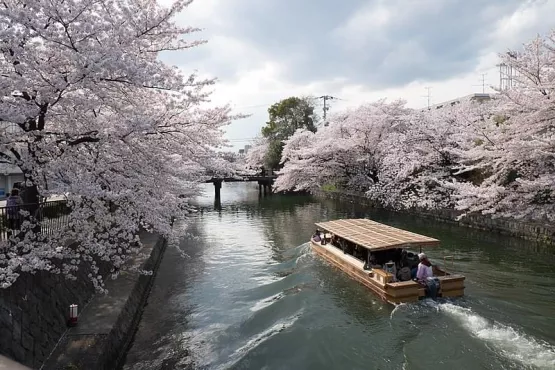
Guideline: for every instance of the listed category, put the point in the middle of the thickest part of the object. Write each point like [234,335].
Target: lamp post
[72,315]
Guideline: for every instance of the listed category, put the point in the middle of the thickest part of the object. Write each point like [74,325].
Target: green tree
[286,117]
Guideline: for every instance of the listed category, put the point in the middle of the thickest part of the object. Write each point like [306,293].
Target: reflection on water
[252,295]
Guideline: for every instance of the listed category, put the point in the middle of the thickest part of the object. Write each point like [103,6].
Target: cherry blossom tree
[346,153]
[493,157]
[423,160]
[399,157]
[96,115]
[515,150]
[255,157]
[229,164]
[300,172]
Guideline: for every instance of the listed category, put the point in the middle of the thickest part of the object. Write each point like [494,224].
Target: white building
[8,174]
[478,97]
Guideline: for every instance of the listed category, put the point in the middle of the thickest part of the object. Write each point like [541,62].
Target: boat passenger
[425,276]
[424,268]
[316,237]
[404,274]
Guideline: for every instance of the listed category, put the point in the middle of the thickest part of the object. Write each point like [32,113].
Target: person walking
[13,204]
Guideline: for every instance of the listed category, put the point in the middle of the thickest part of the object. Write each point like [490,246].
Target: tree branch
[85,139]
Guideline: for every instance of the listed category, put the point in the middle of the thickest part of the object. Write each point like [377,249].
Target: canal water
[251,295]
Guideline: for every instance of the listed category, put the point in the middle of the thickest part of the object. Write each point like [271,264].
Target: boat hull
[381,282]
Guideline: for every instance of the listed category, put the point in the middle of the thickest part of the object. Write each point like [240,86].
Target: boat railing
[452,261]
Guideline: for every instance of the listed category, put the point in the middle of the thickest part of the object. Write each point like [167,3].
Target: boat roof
[375,236]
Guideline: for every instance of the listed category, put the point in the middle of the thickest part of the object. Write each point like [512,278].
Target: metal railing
[452,261]
[52,216]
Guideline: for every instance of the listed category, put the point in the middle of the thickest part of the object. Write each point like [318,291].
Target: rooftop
[374,235]
[473,97]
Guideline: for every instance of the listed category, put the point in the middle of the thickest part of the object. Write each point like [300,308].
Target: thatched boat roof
[375,236]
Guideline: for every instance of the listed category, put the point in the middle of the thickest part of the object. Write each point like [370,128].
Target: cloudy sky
[262,51]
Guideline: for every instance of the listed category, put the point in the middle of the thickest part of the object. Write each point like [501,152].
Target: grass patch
[329,188]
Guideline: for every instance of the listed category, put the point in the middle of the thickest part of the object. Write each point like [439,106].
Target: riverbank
[108,322]
[538,232]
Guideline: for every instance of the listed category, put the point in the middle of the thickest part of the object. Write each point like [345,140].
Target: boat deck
[347,257]
[382,283]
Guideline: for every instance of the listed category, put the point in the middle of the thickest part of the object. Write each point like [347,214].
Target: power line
[327,97]
[253,106]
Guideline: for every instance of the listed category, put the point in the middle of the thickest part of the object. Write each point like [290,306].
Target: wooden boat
[356,245]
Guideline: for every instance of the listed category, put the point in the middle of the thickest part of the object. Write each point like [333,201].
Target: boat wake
[397,308]
[305,255]
[298,255]
[508,341]
[258,339]
[265,280]
[267,302]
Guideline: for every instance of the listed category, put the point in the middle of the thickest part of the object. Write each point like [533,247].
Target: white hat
[422,256]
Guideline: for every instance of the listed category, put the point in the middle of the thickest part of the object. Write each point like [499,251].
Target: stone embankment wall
[34,313]
[544,233]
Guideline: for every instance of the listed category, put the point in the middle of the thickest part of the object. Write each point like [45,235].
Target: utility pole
[483,84]
[326,108]
[429,95]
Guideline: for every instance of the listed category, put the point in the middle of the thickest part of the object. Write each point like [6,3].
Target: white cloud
[512,26]
[372,21]
[197,10]
[531,18]
[364,24]
[405,55]
[257,78]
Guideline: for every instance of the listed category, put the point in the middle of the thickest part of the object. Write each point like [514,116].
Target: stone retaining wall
[544,233]
[34,312]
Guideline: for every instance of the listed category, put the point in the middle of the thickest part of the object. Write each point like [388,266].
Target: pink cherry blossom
[99,117]
[495,157]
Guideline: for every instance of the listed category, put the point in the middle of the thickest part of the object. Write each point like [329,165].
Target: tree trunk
[31,199]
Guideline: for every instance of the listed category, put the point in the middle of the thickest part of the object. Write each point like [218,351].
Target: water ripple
[259,339]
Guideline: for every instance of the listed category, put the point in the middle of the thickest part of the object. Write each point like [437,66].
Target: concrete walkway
[7,364]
